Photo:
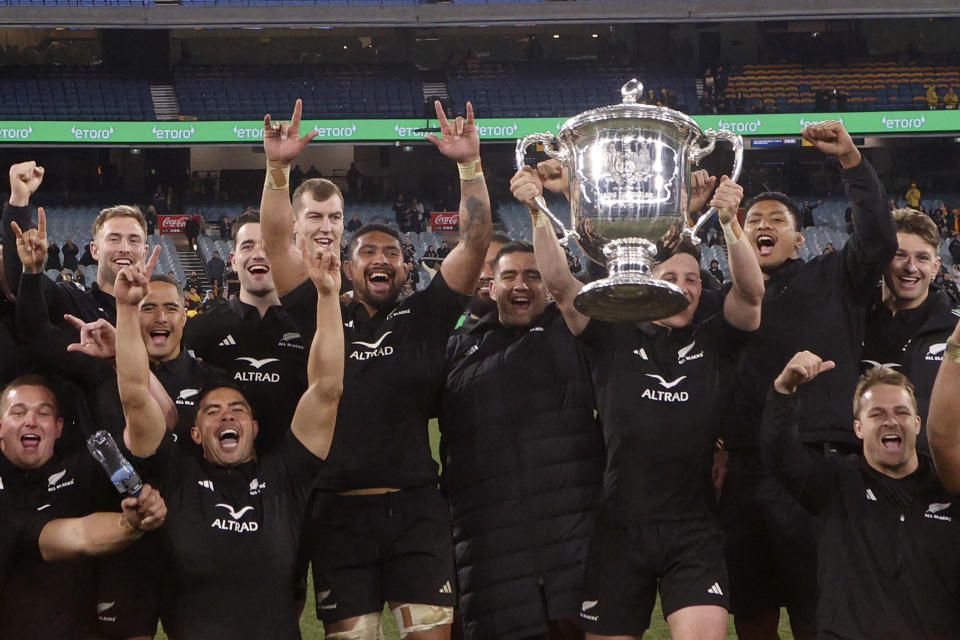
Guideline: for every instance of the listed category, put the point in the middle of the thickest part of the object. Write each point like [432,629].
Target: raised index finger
[297,112]
[442,117]
[41,222]
[152,262]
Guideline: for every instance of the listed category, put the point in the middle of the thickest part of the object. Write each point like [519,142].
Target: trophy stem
[630,293]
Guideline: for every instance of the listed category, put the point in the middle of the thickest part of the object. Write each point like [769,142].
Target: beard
[480,306]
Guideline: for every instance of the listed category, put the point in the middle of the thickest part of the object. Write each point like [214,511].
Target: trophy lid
[631,109]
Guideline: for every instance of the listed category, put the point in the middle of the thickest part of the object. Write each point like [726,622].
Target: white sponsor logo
[91,134]
[234,525]
[586,606]
[740,127]
[664,383]
[174,134]
[540,329]
[642,353]
[348,325]
[228,341]
[935,353]
[256,376]
[323,595]
[497,130]
[446,588]
[248,133]
[804,123]
[406,132]
[43,506]
[287,337]
[683,354]
[103,607]
[870,496]
[336,132]
[256,486]
[206,484]
[1,484]
[16,134]
[903,123]
[933,511]
[398,312]
[715,589]
[185,395]
[53,481]
[374,349]
[877,365]
[473,349]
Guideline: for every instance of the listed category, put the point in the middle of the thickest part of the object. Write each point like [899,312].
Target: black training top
[817,306]
[232,535]
[392,382]
[19,538]
[888,560]
[660,394]
[266,357]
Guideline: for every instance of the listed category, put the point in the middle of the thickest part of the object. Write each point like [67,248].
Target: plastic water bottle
[122,474]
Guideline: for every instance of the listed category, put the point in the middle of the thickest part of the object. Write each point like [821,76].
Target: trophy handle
[736,141]
[547,140]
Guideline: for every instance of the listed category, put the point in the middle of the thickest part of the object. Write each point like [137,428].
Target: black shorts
[391,547]
[770,545]
[131,590]
[627,564]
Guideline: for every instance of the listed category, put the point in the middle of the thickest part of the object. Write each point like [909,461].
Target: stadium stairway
[165,102]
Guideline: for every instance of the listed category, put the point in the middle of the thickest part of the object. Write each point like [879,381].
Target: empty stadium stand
[75,93]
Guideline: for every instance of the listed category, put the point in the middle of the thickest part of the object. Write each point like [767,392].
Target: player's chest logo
[58,480]
[235,519]
[666,390]
[250,369]
[362,350]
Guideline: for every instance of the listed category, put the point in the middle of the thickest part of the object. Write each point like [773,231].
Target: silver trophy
[629,167]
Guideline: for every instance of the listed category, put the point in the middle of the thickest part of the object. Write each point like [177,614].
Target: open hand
[281,141]
[461,141]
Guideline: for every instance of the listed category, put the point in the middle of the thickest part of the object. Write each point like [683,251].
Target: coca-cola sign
[173,223]
[445,220]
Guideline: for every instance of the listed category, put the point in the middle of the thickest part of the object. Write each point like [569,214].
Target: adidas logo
[715,589]
[473,349]
[228,341]
[446,588]
[206,484]
[870,495]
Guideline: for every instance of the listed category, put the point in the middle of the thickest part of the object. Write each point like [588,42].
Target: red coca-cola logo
[446,221]
[173,223]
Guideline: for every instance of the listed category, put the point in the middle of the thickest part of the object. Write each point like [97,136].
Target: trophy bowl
[629,169]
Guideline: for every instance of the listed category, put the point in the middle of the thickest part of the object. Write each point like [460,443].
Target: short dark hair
[513,246]
[162,277]
[500,238]
[249,215]
[30,380]
[687,245]
[783,199]
[877,376]
[370,228]
[319,189]
[221,381]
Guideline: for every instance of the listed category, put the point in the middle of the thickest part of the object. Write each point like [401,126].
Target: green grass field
[313,630]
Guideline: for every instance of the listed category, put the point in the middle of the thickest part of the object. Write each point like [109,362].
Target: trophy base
[630,297]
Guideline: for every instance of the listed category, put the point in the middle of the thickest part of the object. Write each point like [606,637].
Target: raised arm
[146,425]
[526,186]
[741,307]
[316,414]
[461,142]
[804,475]
[943,417]
[102,533]
[874,240]
[281,144]
[25,179]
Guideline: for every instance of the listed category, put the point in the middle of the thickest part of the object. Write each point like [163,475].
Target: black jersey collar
[244,310]
[104,299]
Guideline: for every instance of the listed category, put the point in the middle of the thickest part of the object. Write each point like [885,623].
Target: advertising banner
[445,220]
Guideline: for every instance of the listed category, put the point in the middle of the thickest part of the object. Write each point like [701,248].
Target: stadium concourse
[185,177]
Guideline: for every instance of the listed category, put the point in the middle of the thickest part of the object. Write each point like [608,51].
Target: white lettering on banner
[16,134]
[740,127]
[335,132]
[406,132]
[445,221]
[497,130]
[248,133]
[174,134]
[171,223]
[804,123]
[903,123]
[91,134]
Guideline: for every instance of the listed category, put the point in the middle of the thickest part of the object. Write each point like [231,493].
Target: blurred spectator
[215,267]
[721,81]
[70,252]
[225,227]
[192,231]
[913,196]
[79,278]
[86,259]
[806,213]
[933,98]
[954,249]
[354,223]
[399,208]
[431,252]
[714,270]
[355,182]
[151,218]
[709,82]
[740,103]
[950,99]
[65,275]
[828,249]
[53,257]
[443,250]
[575,266]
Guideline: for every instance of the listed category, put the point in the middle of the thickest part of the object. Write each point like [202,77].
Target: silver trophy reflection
[629,167]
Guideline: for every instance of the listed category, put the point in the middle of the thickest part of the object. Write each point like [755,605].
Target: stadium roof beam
[447,14]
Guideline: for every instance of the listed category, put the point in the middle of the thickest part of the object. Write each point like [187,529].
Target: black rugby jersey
[232,535]
[391,388]
[660,394]
[266,357]
[60,594]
